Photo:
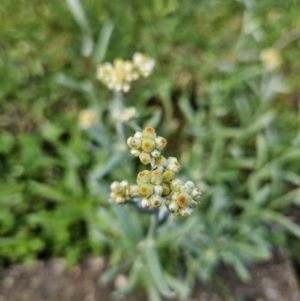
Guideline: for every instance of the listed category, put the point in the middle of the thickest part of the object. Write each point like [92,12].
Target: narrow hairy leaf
[156,270]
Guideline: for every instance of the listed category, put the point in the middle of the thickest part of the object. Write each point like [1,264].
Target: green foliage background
[233,126]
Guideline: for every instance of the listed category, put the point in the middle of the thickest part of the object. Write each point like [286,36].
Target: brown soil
[270,281]
[52,281]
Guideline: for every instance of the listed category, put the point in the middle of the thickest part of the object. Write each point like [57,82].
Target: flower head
[157,186]
[87,118]
[143,63]
[119,75]
[270,58]
[146,145]
[119,192]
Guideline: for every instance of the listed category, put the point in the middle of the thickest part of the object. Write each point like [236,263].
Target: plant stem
[119,108]
[153,226]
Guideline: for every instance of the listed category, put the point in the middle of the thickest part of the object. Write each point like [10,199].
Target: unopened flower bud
[128,141]
[166,190]
[190,183]
[138,135]
[156,177]
[134,143]
[160,168]
[145,203]
[113,195]
[158,190]
[145,158]
[173,207]
[172,159]
[175,184]
[145,190]
[155,201]
[155,153]
[114,185]
[120,200]
[149,132]
[174,166]
[135,152]
[174,196]
[185,188]
[148,145]
[168,176]
[161,160]
[143,177]
[124,184]
[182,200]
[118,189]
[185,211]
[196,193]
[160,143]
[133,191]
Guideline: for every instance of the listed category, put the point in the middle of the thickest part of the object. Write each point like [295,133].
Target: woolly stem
[153,226]
[119,108]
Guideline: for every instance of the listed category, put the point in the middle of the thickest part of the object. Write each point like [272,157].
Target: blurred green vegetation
[233,125]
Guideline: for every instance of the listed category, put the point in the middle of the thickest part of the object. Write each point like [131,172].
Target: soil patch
[52,281]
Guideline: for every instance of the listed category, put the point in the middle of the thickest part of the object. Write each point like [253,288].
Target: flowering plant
[159,185]
[157,191]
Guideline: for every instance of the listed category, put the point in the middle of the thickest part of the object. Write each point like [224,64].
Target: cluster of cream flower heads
[271,59]
[159,185]
[119,75]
